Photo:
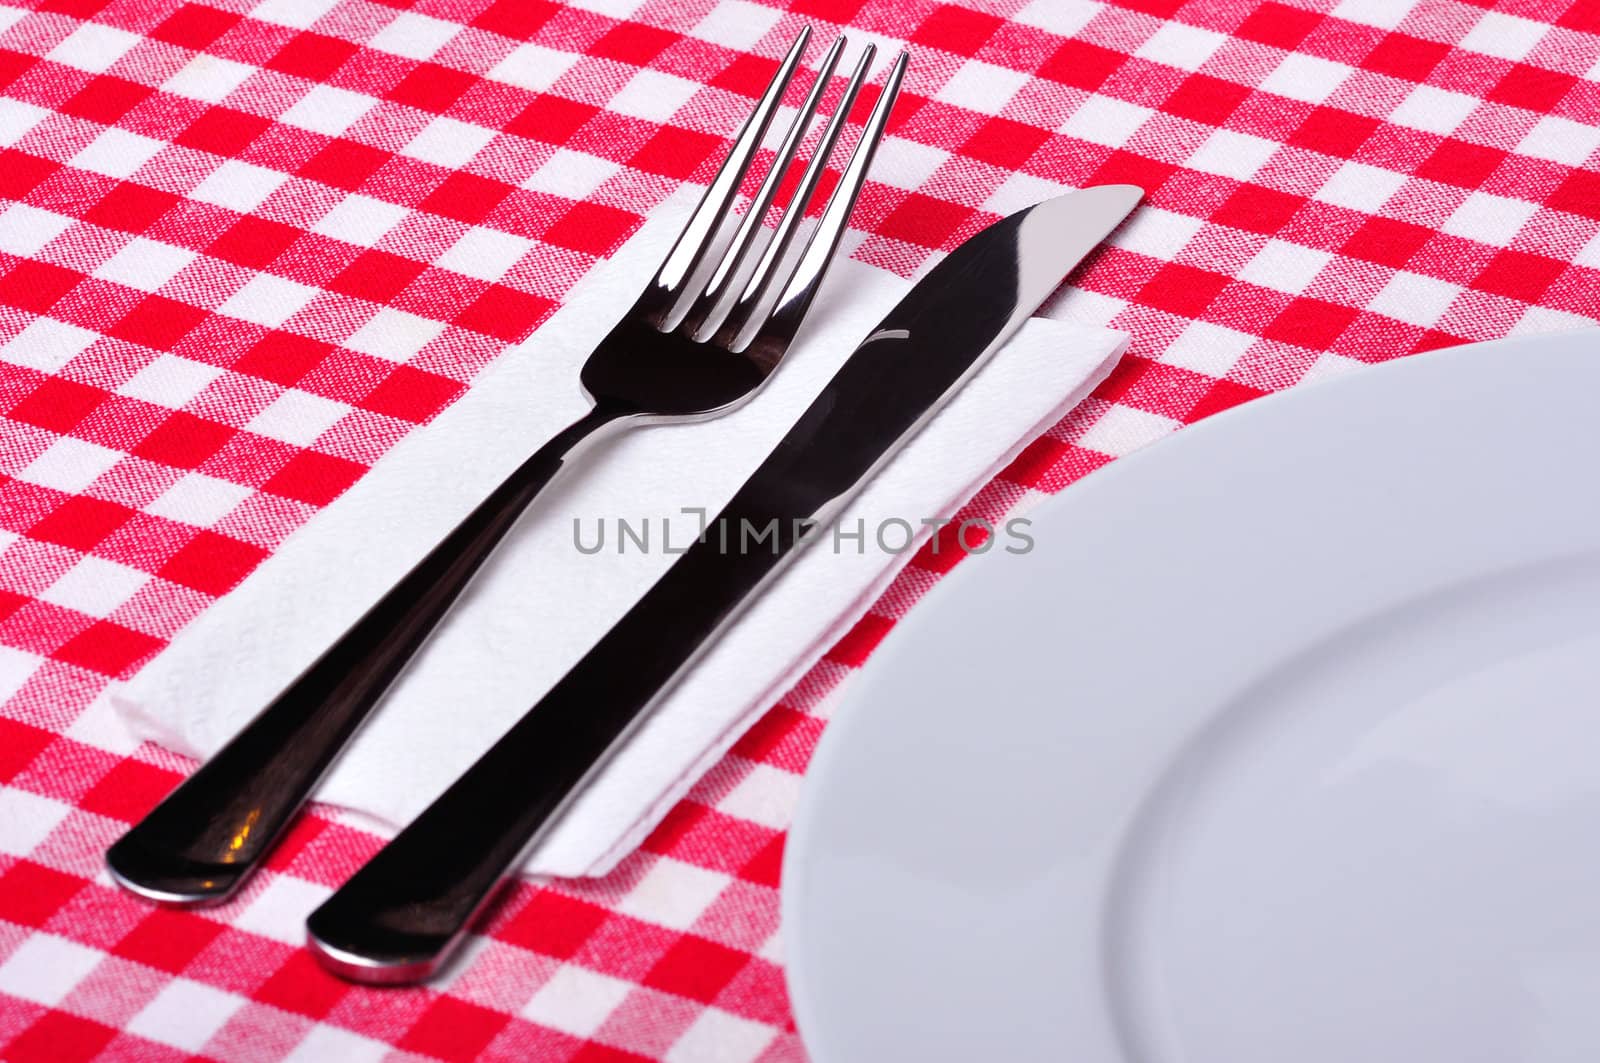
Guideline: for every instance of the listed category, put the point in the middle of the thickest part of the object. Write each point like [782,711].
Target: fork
[684,350]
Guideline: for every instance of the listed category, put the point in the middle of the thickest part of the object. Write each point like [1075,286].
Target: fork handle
[199,844]
[401,916]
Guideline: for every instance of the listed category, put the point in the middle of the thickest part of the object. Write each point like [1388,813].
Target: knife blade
[403,914]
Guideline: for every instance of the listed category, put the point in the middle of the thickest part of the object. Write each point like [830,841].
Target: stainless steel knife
[400,917]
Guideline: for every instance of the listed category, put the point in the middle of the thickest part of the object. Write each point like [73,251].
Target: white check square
[326,1043]
[673,893]
[1539,319]
[1360,187]
[1179,45]
[737,24]
[210,78]
[17,118]
[1061,17]
[1305,77]
[415,36]
[199,499]
[576,1000]
[449,143]
[70,465]
[1489,219]
[1209,349]
[765,796]
[1230,154]
[1506,36]
[16,666]
[982,87]
[653,96]
[1083,307]
[299,14]
[238,186]
[1415,299]
[614,8]
[45,968]
[328,110]
[719,1035]
[1157,233]
[1021,190]
[93,47]
[1285,267]
[1123,429]
[485,253]
[360,220]
[117,153]
[1385,14]
[185,1014]
[26,819]
[46,344]
[170,381]
[25,230]
[394,334]
[1561,140]
[95,586]
[279,911]
[573,174]
[1434,110]
[1329,366]
[297,417]
[268,300]
[1105,120]
[903,163]
[145,264]
[531,67]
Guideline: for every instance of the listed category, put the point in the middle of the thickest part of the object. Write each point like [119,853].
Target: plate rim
[797,974]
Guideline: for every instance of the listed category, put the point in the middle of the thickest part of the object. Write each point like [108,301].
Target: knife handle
[199,844]
[402,915]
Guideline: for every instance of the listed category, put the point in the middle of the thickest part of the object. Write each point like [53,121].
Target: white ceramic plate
[1282,744]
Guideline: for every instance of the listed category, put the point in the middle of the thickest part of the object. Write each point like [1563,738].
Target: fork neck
[605,413]
[543,465]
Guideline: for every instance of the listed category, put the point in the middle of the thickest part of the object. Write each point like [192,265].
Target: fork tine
[787,313]
[739,250]
[690,248]
[763,279]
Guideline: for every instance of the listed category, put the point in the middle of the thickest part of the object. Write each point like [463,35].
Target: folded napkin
[541,601]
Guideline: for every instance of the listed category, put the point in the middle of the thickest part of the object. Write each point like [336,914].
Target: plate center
[1385,849]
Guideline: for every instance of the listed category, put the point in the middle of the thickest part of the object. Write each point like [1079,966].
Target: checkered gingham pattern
[246,246]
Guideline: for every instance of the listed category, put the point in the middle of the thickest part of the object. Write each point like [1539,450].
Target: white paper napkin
[541,602]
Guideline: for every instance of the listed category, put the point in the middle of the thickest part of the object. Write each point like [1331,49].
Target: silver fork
[683,351]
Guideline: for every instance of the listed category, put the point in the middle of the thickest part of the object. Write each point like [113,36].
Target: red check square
[956,29]
[212,563]
[57,404]
[59,1038]
[313,477]
[194,26]
[518,19]
[223,131]
[454,1030]
[313,56]
[106,99]
[592,228]
[32,894]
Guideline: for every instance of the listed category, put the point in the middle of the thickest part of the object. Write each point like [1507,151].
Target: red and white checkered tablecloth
[245,247]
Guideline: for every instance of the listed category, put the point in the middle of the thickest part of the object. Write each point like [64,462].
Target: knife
[403,914]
